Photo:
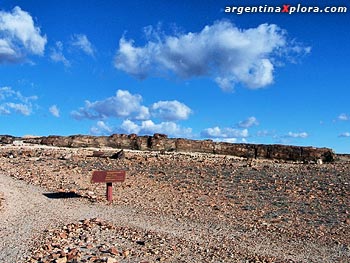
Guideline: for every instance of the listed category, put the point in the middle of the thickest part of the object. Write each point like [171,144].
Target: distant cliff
[160,142]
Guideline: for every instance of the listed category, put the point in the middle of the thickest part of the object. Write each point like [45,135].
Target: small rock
[61,260]
[63,235]
[66,157]
[119,155]
[91,194]
[72,254]
[141,243]
[111,260]
[126,253]
[113,251]
[18,143]
[89,246]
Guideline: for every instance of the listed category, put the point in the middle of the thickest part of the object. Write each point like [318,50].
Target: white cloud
[13,101]
[133,60]
[251,121]
[24,109]
[225,133]
[345,134]
[19,36]
[344,117]
[221,51]
[6,92]
[136,118]
[4,110]
[265,133]
[7,53]
[101,128]
[170,110]
[297,135]
[149,127]
[58,56]
[122,105]
[82,42]
[129,127]
[54,111]
[231,140]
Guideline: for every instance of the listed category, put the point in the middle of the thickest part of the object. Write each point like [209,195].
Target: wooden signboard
[108,177]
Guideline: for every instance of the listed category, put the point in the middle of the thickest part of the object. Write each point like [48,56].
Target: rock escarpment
[161,142]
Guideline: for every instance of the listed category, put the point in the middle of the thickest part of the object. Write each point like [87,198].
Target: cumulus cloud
[57,55]
[82,42]
[122,105]
[227,54]
[344,135]
[125,105]
[13,101]
[149,127]
[19,36]
[224,133]
[170,110]
[297,135]
[54,111]
[136,117]
[251,121]
[344,117]
[101,128]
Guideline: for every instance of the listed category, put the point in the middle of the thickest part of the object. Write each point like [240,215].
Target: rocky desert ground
[172,207]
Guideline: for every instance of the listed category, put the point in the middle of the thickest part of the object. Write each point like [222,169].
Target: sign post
[108,177]
[109,192]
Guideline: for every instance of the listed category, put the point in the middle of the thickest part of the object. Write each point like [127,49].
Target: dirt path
[26,213]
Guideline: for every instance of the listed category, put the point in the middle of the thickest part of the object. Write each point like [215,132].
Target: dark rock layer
[161,142]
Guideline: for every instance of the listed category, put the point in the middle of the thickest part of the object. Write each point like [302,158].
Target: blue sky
[184,68]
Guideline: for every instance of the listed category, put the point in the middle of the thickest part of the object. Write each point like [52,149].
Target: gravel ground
[172,208]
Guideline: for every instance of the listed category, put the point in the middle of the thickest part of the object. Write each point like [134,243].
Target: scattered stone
[229,203]
[113,251]
[61,260]
[119,155]
[126,253]
[18,143]
[111,260]
[66,157]
[141,243]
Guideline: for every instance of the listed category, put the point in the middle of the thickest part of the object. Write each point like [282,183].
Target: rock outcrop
[161,142]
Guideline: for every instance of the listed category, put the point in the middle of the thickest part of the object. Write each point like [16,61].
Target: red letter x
[285,9]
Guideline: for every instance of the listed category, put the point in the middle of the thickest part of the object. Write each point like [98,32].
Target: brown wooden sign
[108,176]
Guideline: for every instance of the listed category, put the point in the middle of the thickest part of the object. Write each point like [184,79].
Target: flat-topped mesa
[161,142]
